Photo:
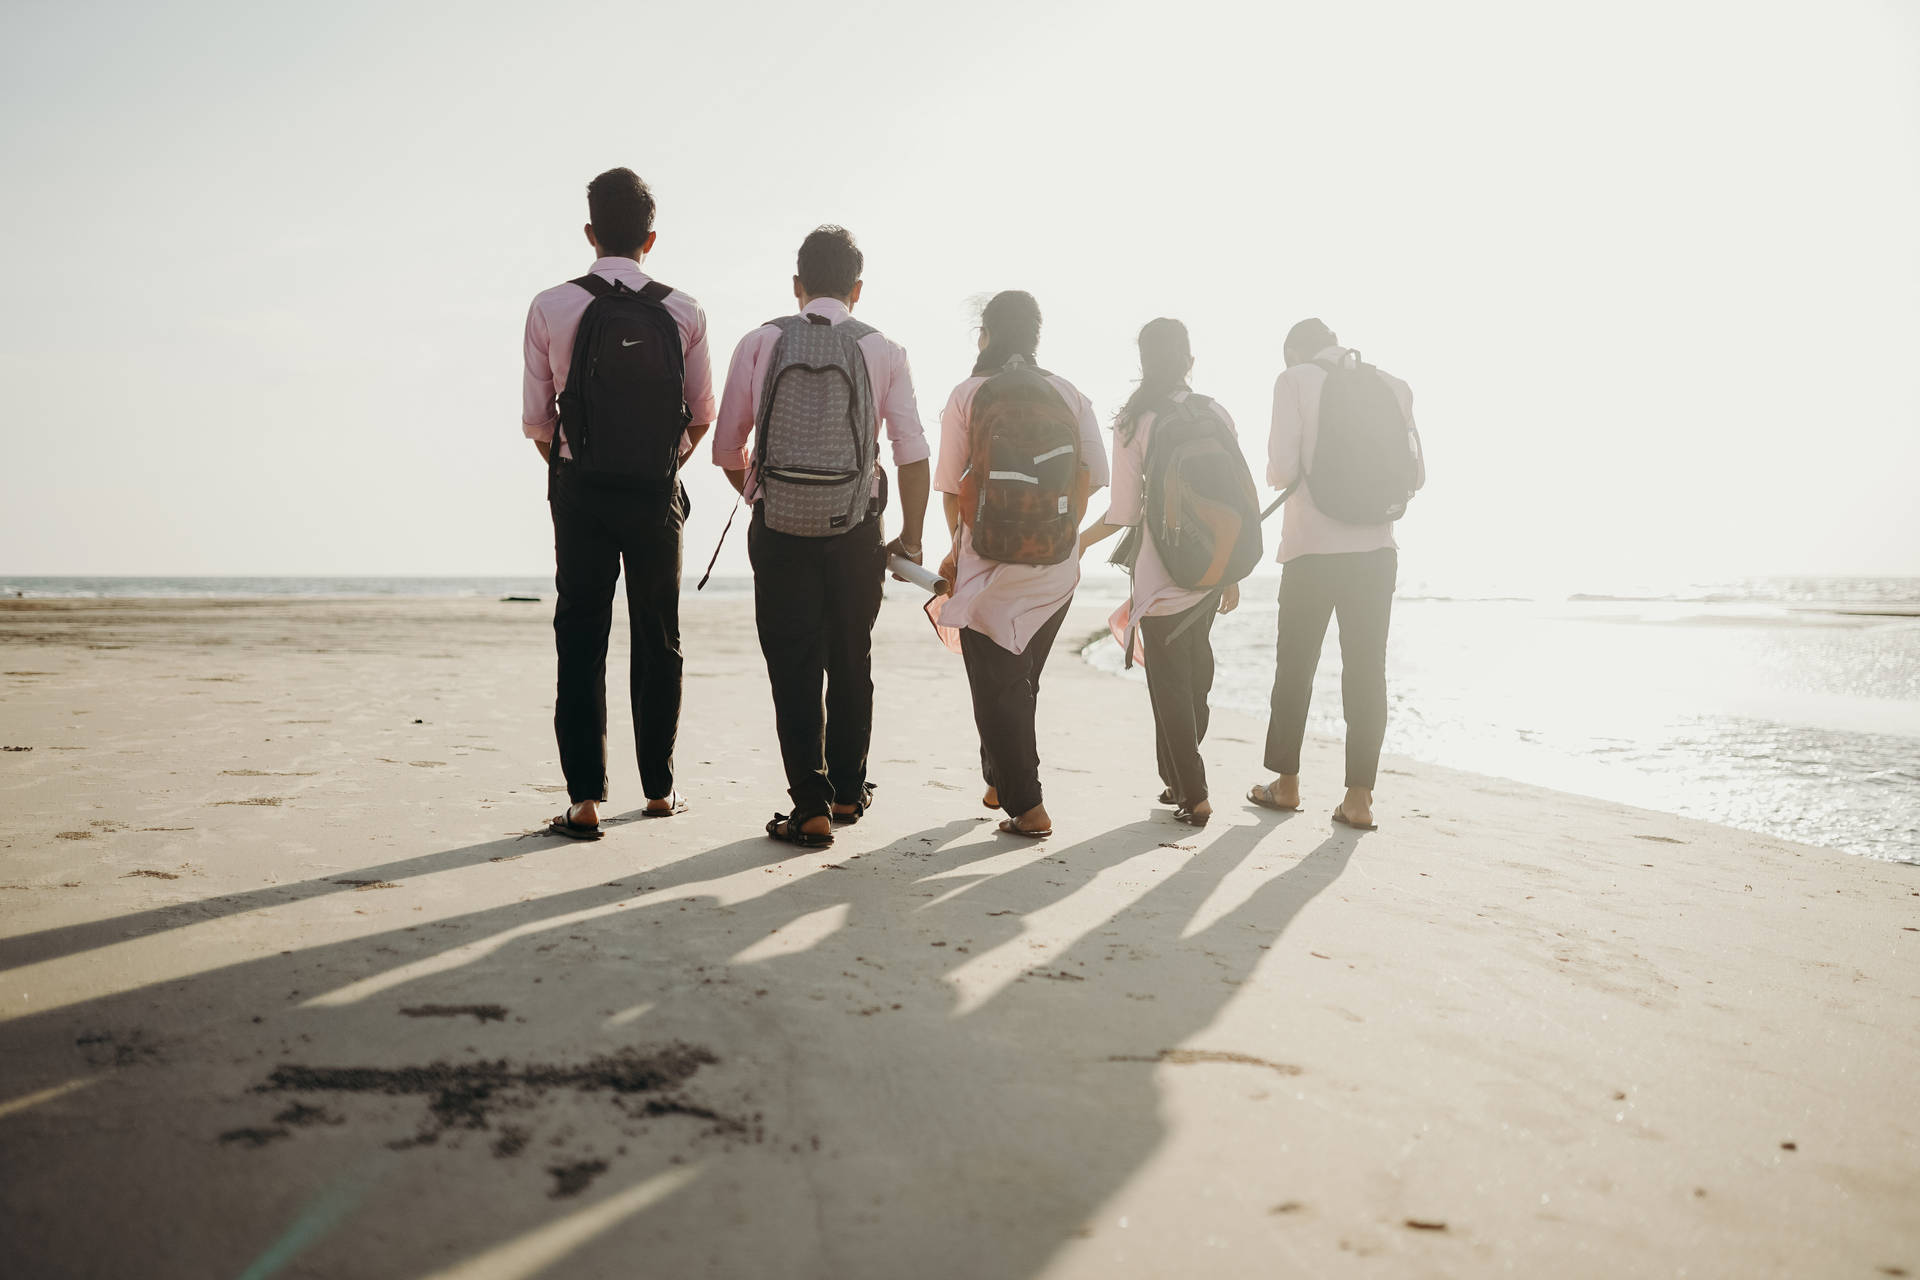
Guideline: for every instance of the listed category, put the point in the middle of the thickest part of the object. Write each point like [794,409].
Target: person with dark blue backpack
[618,390]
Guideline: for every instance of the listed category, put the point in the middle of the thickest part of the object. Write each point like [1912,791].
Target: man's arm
[916,482]
[733,426]
[1283,440]
[537,414]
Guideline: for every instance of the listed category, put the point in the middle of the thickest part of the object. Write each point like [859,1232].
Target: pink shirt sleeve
[537,413]
[1093,450]
[952,464]
[899,410]
[1129,474]
[697,383]
[1283,441]
[733,428]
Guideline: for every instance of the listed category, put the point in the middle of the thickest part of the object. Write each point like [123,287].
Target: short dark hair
[621,210]
[1310,336]
[830,262]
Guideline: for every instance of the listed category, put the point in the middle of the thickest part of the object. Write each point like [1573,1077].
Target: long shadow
[923,1099]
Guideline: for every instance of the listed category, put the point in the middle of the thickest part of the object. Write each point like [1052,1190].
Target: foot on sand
[664,806]
[813,833]
[844,814]
[992,798]
[580,822]
[1194,815]
[1282,793]
[1034,824]
[1356,810]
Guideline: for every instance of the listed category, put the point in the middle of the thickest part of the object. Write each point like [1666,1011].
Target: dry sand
[290,991]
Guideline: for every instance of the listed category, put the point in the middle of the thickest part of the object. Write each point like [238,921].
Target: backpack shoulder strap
[655,291]
[598,286]
[856,330]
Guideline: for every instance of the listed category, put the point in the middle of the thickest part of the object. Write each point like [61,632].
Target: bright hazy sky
[1651,269]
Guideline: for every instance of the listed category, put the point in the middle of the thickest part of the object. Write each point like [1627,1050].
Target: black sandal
[564,825]
[1166,797]
[1262,795]
[860,807]
[789,829]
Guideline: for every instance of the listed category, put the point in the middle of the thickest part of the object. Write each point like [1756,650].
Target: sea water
[1790,707]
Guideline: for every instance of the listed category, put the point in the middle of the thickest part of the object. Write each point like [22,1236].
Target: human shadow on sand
[936,1058]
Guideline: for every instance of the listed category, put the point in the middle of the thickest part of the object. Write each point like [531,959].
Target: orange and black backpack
[1025,490]
[1201,508]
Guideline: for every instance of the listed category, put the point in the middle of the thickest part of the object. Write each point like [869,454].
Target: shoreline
[257,844]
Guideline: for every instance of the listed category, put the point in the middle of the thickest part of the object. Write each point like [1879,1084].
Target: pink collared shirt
[1305,530]
[1155,594]
[554,318]
[887,375]
[1007,603]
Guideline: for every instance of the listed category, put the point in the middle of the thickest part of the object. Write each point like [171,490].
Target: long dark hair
[1165,357]
[1012,322]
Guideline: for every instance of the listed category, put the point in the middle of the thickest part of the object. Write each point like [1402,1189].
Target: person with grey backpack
[798,436]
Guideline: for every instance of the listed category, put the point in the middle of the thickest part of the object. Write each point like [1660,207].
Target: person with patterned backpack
[1020,452]
[1187,503]
[810,392]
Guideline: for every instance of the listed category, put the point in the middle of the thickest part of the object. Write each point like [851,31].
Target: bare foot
[1285,790]
[1201,810]
[585,814]
[992,798]
[818,826]
[1357,808]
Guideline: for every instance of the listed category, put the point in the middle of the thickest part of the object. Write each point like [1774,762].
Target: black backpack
[1366,458]
[1201,507]
[623,409]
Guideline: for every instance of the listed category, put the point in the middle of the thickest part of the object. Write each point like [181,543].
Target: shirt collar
[617,266]
[1333,353]
[832,308]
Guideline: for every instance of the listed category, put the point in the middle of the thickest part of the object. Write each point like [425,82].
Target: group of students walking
[619,392]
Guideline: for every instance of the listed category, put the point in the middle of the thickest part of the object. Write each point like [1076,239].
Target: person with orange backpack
[1184,496]
[1019,453]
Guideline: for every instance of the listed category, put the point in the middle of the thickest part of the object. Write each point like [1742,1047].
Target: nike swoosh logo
[636,342]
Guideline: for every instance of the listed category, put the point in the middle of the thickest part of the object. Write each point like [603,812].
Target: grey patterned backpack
[815,439]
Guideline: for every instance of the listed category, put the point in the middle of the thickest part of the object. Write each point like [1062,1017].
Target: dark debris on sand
[572,1179]
[480,1012]
[465,1095]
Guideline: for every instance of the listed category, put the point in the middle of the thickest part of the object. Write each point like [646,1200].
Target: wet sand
[294,987]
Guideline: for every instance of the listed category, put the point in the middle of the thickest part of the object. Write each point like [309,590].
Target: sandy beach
[295,987]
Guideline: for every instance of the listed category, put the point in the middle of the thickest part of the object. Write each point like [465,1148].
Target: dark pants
[1357,587]
[594,531]
[1179,677]
[815,600]
[1006,688]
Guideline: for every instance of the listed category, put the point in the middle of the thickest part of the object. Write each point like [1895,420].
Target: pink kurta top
[1305,530]
[1007,603]
[1155,593]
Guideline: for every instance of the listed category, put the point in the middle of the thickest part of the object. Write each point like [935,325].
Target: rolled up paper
[926,579]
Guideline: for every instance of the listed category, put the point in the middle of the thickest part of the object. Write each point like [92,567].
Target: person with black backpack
[810,393]
[618,390]
[1184,496]
[1347,457]
[1019,453]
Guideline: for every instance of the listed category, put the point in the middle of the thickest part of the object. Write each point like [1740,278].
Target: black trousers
[1006,689]
[1179,678]
[1356,587]
[814,601]
[595,530]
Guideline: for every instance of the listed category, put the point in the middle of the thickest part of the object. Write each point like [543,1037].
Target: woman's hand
[1230,598]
